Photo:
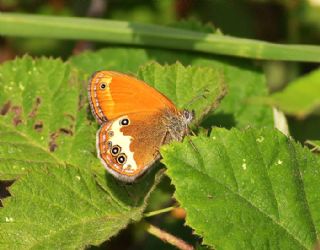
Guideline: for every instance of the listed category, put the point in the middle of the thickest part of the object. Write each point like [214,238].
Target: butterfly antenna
[198,97]
[198,154]
[193,133]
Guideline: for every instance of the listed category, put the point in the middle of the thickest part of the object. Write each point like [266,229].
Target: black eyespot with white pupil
[124,122]
[103,86]
[121,159]
[115,150]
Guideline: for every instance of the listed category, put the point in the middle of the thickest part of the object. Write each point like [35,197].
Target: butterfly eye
[115,150]
[103,85]
[121,159]
[124,122]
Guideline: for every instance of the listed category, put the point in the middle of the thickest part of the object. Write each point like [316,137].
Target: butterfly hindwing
[129,144]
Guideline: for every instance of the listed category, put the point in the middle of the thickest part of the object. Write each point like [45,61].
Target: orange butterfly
[136,120]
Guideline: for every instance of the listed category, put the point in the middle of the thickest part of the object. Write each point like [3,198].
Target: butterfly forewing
[113,94]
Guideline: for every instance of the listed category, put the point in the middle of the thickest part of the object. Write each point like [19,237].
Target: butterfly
[136,120]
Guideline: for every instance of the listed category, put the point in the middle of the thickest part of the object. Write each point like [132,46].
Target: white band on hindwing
[116,137]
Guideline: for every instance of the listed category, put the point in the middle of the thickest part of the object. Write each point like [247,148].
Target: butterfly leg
[193,145]
[164,140]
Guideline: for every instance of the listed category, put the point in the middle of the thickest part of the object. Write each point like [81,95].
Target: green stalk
[119,32]
[160,211]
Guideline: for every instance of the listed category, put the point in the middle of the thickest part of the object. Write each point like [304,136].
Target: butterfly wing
[113,94]
[128,145]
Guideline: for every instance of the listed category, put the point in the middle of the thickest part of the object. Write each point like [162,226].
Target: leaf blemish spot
[38,126]
[52,143]
[244,166]
[66,131]
[9,88]
[72,118]
[17,118]
[35,108]
[5,108]
[9,219]
[260,139]
[78,177]
[21,87]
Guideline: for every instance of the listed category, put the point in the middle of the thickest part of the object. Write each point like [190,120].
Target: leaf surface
[247,190]
[301,97]
[47,143]
[40,122]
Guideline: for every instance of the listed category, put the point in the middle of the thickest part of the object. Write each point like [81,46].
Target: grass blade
[120,32]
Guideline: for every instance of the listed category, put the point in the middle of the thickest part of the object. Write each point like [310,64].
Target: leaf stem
[160,211]
[314,145]
[166,237]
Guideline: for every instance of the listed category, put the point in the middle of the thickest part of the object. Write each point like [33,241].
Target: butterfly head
[188,116]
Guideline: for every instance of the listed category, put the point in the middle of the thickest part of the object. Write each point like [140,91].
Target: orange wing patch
[100,83]
[114,94]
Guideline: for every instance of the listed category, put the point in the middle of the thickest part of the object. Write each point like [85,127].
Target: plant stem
[166,237]
[119,32]
[160,211]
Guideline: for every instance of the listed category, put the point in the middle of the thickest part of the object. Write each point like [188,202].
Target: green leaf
[250,189]
[48,144]
[64,208]
[301,97]
[40,122]
[193,88]
[243,80]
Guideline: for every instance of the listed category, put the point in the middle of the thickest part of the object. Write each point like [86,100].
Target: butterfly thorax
[176,123]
